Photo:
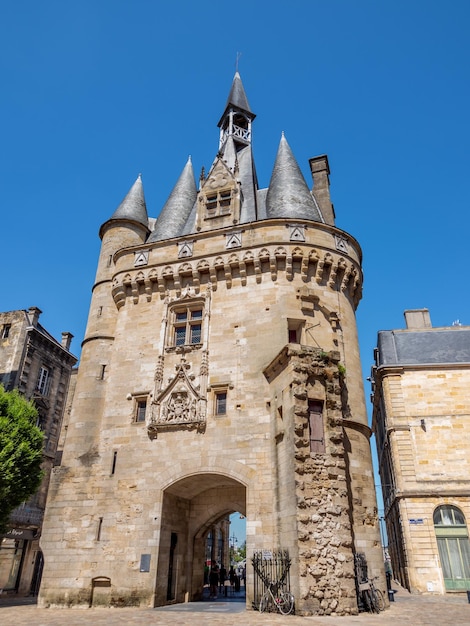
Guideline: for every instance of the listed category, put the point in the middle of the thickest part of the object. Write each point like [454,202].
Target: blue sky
[95,92]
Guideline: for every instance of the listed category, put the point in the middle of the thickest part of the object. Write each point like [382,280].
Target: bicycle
[272,597]
[372,597]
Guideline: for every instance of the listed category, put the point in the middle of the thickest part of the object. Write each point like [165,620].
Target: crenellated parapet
[245,267]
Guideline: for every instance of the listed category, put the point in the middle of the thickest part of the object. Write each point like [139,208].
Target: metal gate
[270,566]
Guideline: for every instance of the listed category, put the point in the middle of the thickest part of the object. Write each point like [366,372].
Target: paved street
[407,609]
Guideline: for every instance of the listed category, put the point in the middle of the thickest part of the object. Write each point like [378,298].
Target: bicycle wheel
[286,602]
[264,602]
[374,603]
[367,600]
[379,599]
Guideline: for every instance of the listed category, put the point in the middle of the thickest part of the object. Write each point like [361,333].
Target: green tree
[241,553]
[21,443]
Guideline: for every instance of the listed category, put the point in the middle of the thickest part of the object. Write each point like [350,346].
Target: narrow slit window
[113,466]
[98,530]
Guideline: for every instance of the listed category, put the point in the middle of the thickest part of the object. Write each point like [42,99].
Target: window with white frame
[42,386]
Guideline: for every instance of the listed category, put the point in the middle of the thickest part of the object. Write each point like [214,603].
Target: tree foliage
[21,444]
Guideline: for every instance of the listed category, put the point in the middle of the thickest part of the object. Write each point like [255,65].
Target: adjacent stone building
[36,364]
[421,417]
[220,372]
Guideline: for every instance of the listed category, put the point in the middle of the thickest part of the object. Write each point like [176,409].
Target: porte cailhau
[220,373]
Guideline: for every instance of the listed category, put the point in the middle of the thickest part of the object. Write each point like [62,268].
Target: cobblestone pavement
[407,609]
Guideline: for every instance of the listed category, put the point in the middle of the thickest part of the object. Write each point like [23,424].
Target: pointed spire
[133,206]
[288,194]
[177,208]
[237,117]
[237,96]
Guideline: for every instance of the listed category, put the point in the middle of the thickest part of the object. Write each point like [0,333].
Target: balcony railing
[28,515]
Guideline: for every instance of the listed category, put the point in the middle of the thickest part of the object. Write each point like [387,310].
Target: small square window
[294,330]
[221,403]
[293,335]
[6,331]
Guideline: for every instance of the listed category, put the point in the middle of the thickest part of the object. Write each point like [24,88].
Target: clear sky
[97,91]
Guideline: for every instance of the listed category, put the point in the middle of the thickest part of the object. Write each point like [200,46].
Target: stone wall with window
[40,367]
[421,419]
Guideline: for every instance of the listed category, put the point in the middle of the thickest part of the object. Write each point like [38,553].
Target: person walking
[213,580]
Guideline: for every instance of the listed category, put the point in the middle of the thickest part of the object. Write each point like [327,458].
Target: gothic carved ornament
[180,404]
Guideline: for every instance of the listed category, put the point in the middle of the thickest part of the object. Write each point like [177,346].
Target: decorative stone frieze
[337,273]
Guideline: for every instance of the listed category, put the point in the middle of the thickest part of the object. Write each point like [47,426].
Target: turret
[237,117]
[288,194]
[127,227]
[177,208]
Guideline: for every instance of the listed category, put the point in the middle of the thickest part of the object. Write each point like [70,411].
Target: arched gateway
[192,508]
[220,372]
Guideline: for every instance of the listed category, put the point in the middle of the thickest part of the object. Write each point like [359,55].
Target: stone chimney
[66,340]
[321,187]
[417,318]
[34,314]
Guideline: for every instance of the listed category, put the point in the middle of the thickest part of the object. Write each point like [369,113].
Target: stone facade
[40,367]
[421,418]
[220,372]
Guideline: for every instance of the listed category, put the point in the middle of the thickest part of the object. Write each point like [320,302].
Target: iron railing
[270,567]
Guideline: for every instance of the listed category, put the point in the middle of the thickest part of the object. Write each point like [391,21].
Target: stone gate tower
[220,372]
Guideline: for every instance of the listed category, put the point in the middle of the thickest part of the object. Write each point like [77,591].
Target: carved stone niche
[178,406]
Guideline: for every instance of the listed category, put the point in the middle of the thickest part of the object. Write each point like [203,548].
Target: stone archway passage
[191,507]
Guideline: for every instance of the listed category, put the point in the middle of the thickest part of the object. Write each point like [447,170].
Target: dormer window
[219,200]
[219,203]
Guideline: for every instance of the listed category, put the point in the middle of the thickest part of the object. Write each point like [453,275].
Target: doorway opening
[196,531]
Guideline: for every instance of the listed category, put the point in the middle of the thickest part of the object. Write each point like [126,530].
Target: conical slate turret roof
[288,194]
[237,96]
[237,99]
[133,206]
[177,208]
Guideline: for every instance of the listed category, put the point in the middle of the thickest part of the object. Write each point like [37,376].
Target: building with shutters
[40,367]
[421,418]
